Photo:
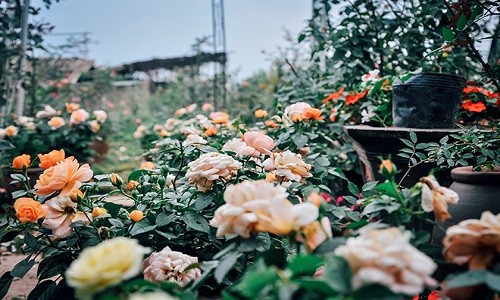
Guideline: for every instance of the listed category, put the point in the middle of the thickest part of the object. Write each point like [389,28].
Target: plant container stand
[373,143]
[427,100]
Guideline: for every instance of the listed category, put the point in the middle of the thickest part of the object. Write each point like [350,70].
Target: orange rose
[29,210]
[11,131]
[271,123]
[219,117]
[66,176]
[71,107]
[260,113]
[21,161]
[56,122]
[211,131]
[136,215]
[79,116]
[148,165]
[98,211]
[76,195]
[51,159]
[313,113]
[132,184]
[116,179]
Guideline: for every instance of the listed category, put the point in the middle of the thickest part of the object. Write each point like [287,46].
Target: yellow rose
[104,265]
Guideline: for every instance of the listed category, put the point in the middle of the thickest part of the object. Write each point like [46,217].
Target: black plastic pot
[427,100]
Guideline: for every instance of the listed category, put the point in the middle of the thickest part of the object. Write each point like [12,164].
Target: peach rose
[100,115]
[219,117]
[239,147]
[136,215]
[148,165]
[21,161]
[316,233]
[436,198]
[56,122]
[79,116]
[295,112]
[71,107]
[312,113]
[211,131]
[262,143]
[51,159]
[210,167]
[66,176]
[474,242]
[181,111]
[94,126]
[29,210]
[271,123]
[288,165]
[11,131]
[260,113]
[207,107]
[61,213]
[76,195]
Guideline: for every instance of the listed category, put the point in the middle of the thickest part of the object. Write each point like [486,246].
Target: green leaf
[448,34]
[329,245]
[112,208]
[376,291]
[23,267]
[353,188]
[493,281]
[256,280]
[196,222]
[462,21]
[338,274]
[31,242]
[316,285]
[225,265]
[9,236]
[413,137]
[469,278]
[137,174]
[141,227]
[43,291]
[300,140]
[54,265]
[369,186]
[259,242]
[5,282]
[304,265]
[164,219]
[203,201]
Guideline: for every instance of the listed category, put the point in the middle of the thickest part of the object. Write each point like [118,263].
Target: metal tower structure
[219,46]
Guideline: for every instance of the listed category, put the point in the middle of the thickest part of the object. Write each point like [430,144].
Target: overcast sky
[132,30]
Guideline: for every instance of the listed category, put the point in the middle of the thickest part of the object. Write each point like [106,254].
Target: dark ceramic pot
[427,100]
[371,143]
[477,191]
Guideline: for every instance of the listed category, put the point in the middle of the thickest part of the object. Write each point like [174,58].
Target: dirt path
[20,288]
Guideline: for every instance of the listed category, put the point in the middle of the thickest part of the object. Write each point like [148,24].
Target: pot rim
[441,75]
[467,175]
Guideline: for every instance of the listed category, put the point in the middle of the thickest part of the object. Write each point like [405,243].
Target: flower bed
[225,209]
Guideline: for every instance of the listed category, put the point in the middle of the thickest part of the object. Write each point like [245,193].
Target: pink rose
[262,143]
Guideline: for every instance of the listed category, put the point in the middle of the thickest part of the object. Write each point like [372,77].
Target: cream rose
[288,165]
[104,265]
[237,217]
[385,256]
[210,167]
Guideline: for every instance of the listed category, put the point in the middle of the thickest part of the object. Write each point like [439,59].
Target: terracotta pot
[371,143]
